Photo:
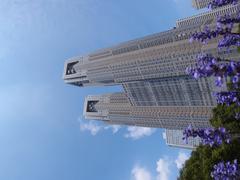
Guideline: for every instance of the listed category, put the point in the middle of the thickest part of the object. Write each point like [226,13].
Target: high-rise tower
[157,91]
[116,109]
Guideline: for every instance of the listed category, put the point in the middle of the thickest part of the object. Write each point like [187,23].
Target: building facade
[116,109]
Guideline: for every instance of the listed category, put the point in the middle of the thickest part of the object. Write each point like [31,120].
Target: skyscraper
[116,109]
[157,91]
[161,55]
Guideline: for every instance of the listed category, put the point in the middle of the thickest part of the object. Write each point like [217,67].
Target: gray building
[165,54]
[157,91]
[116,109]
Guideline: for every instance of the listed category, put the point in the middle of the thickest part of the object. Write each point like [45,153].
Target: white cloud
[114,128]
[164,135]
[182,157]
[140,173]
[163,169]
[138,132]
[133,132]
[94,128]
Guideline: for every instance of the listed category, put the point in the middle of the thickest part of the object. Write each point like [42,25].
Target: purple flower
[219,81]
[226,171]
[207,65]
[235,79]
[209,136]
[229,40]
[227,98]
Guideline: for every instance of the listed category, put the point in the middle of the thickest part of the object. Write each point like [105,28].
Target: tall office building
[116,109]
[165,54]
[157,91]
[174,138]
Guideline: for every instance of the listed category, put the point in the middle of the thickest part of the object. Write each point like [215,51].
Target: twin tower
[157,91]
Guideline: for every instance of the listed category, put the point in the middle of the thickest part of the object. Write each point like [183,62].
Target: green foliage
[201,163]
[224,116]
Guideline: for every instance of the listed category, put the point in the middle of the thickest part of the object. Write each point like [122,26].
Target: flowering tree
[224,70]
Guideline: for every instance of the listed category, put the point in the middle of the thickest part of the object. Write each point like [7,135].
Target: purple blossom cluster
[228,98]
[227,19]
[209,136]
[219,3]
[226,171]
[229,39]
[207,65]
[208,34]
[224,28]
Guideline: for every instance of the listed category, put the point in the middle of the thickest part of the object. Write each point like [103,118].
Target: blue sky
[42,132]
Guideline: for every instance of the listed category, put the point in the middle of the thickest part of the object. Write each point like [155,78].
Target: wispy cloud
[164,135]
[182,157]
[163,169]
[138,132]
[94,127]
[114,128]
[140,173]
